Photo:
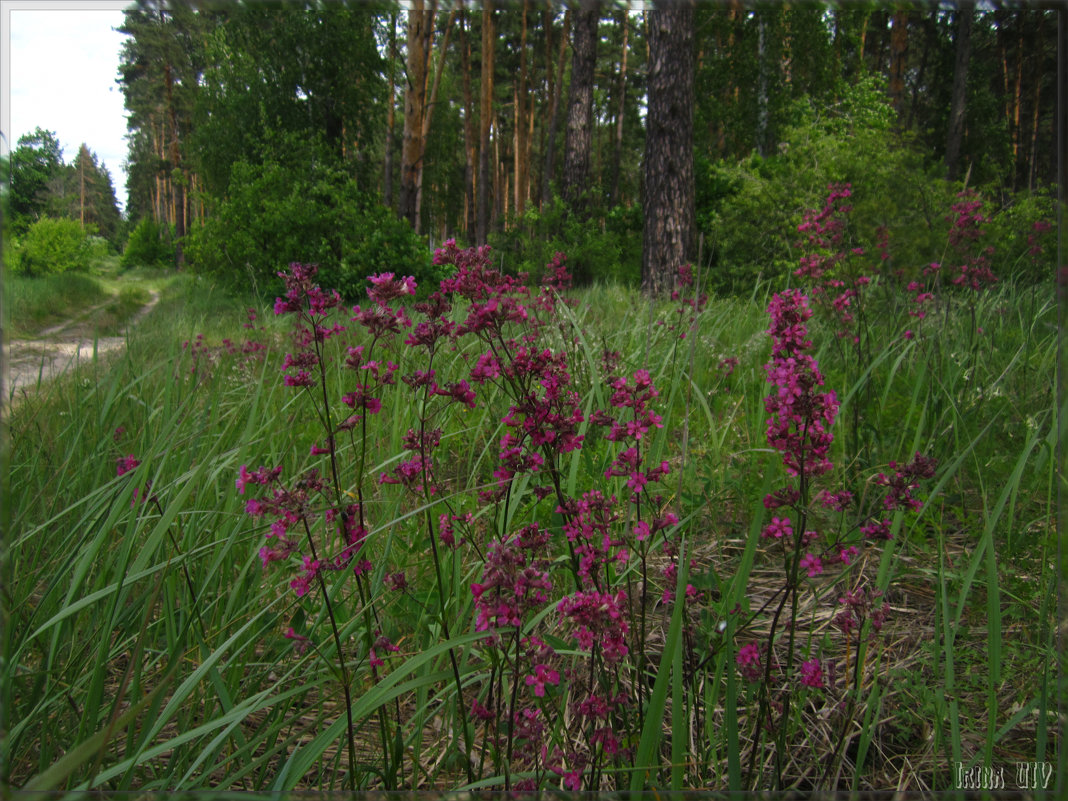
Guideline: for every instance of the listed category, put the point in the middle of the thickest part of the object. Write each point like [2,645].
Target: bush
[1025,234]
[606,248]
[278,214]
[750,211]
[55,246]
[149,245]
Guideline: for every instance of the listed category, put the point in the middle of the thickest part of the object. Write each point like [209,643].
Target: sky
[58,69]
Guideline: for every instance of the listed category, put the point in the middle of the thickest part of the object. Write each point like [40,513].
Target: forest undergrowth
[494,536]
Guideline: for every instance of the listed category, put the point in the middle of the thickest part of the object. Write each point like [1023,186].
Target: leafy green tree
[280,70]
[89,196]
[36,164]
[149,245]
[43,186]
[301,210]
[754,62]
[749,210]
[607,251]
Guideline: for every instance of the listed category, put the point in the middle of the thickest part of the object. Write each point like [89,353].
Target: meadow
[100,303]
[500,537]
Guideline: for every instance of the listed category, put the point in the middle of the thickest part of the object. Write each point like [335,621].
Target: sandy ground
[30,361]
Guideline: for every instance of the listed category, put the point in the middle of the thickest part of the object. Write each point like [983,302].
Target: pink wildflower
[748,661]
[125,464]
[812,564]
[812,673]
[778,528]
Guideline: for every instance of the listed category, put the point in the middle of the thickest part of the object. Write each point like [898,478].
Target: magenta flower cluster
[828,264]
[584,565]
[966,230]
[800,415]
[316,523]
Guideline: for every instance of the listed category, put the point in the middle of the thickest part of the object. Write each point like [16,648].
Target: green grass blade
[645,758]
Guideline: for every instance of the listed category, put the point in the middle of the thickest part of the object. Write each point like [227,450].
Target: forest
[539,398]
[354,135]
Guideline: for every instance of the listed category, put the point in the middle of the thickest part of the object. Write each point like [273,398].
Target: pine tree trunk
[529,153]
[878,41]
[548,172]
[929,24]
[1060,127]
[1036,77]
[1000,20]
[735,12]
[81,189]
[500,188]
[391,115]
[428,107]
[580,105]
[966,13]
[177,202]
[1016,101]
[899,45]
[617,153]
[469,127]
[414,106]
[863,40]
[522,111]
[836,16]
[158,204]
[485,177]
[668,237]
[517,149]
[762,84]
[786,59]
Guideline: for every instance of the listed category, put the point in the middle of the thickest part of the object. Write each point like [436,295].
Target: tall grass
[144,647]
[102,302]
[33,304]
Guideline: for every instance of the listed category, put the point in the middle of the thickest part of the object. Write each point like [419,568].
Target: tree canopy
[44,186]
[465,120]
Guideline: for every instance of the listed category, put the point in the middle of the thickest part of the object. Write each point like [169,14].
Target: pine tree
[669,178]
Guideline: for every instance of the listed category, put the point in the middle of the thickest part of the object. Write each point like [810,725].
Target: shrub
[750,211]
[54,246]
[149,245]
[276,214]
[606,248]
[1025,232]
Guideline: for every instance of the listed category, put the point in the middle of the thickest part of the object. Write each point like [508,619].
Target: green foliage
[1025,253]
[89,196]
[36,161]
[279,213]
[283,71]
[56,246]
[606,249]
[43,186]
[149,245]
[749,211]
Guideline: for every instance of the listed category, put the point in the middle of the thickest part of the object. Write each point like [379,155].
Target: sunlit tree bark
[420,33]
[621,91]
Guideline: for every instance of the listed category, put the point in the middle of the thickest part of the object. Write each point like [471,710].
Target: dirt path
[57,349]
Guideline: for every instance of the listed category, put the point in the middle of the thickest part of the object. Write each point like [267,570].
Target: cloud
[63,71]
